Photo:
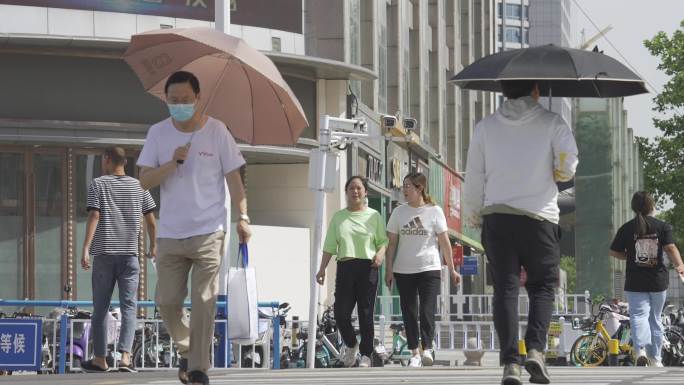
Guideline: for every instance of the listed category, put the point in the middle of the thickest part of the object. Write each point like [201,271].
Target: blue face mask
[182,112]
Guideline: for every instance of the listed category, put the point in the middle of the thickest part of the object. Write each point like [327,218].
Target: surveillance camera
[410,123]
[363,126]
[389,122]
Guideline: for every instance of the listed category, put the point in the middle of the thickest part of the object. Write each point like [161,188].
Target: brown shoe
[534,364]
[511,375]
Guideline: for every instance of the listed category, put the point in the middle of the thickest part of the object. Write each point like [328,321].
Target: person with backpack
[641,243]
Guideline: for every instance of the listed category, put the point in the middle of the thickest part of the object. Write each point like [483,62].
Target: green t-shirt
[355,234]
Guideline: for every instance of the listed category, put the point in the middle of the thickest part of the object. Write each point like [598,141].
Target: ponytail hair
[419,181]
[643,205]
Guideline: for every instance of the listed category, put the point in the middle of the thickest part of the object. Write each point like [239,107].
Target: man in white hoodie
[515,158]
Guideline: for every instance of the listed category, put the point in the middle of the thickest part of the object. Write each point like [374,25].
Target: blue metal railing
[222,306]
[68,304]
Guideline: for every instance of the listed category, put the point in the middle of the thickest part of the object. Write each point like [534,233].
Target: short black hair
[363,180]
[514,89]
[116,155]
[180,77]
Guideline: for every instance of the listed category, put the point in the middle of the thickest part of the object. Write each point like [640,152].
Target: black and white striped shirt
[121,202]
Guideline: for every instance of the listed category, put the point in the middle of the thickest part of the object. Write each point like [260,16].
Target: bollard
[276,342]
[613,351]
[63,326]
[522,350]
[562,354]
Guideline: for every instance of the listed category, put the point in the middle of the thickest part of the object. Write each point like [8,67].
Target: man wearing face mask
[195,160]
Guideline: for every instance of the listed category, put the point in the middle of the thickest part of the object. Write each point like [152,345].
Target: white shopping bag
[243,317]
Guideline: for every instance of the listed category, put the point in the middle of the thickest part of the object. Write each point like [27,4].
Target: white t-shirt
[194,198]
[418,249]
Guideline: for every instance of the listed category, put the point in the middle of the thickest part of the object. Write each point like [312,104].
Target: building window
[526,35]
[513,35]
[526,12]
[275,44]
[513,11]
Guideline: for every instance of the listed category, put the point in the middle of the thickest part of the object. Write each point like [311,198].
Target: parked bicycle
[152,346]
[400,352]
[328,344]
[673,337]
[252,355]
[591,349]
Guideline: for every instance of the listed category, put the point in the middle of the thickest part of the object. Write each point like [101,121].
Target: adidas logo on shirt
[414,227]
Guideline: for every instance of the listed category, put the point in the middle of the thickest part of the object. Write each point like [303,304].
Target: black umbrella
[563,72]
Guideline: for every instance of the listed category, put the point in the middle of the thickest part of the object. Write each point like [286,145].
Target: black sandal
[198,376]
[183,370]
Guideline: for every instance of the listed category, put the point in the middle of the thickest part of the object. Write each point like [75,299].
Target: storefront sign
[469,266]
[20,344]
[284,15]
[457,251]
[373,169]
[452,200]
[399,171]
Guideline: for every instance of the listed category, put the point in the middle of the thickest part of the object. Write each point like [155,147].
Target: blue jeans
[644,315]
[107,271]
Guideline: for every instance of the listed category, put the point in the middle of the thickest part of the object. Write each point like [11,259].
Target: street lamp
[333,132]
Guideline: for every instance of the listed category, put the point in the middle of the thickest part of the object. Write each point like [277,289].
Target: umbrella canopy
[239,85]
[560,71]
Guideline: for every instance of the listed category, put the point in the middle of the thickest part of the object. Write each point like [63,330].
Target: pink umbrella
[239,85]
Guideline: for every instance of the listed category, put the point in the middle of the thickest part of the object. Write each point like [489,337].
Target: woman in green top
[356,236]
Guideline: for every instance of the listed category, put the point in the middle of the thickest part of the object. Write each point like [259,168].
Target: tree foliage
[664,155]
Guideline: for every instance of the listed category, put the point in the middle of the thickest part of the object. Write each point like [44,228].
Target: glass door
[12,225]
[48,202]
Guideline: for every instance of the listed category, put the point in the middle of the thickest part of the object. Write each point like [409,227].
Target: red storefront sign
[452,200]
[458,254]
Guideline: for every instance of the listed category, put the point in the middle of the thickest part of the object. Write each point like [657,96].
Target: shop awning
[473,244]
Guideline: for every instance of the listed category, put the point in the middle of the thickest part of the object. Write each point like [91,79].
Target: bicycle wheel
[673,350]
[589,350]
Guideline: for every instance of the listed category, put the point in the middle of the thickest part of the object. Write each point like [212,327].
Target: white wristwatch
[244,217]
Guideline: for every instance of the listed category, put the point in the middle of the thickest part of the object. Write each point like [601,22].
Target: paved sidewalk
[374,376]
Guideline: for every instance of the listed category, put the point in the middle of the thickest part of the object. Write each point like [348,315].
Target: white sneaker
[655,363]
[428,357]
[348,355]
[365,362]
[415,362]
[642,360]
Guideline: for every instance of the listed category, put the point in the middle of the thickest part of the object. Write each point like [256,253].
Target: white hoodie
[515,158]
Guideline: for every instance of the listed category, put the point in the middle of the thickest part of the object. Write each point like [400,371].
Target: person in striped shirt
[116,205]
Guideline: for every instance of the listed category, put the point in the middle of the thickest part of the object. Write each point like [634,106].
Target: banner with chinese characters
[20,344]
[284,15]
[187,9]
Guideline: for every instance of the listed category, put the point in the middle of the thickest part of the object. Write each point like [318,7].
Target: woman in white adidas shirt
[417,232]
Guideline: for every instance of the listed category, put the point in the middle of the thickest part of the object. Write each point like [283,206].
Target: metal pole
[324,147]
[222,16]
[222,23]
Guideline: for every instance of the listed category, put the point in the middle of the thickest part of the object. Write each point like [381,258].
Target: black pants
[423,287]
[511,241]
[355,284]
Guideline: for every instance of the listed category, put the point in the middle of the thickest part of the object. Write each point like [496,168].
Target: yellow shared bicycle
[591,349]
